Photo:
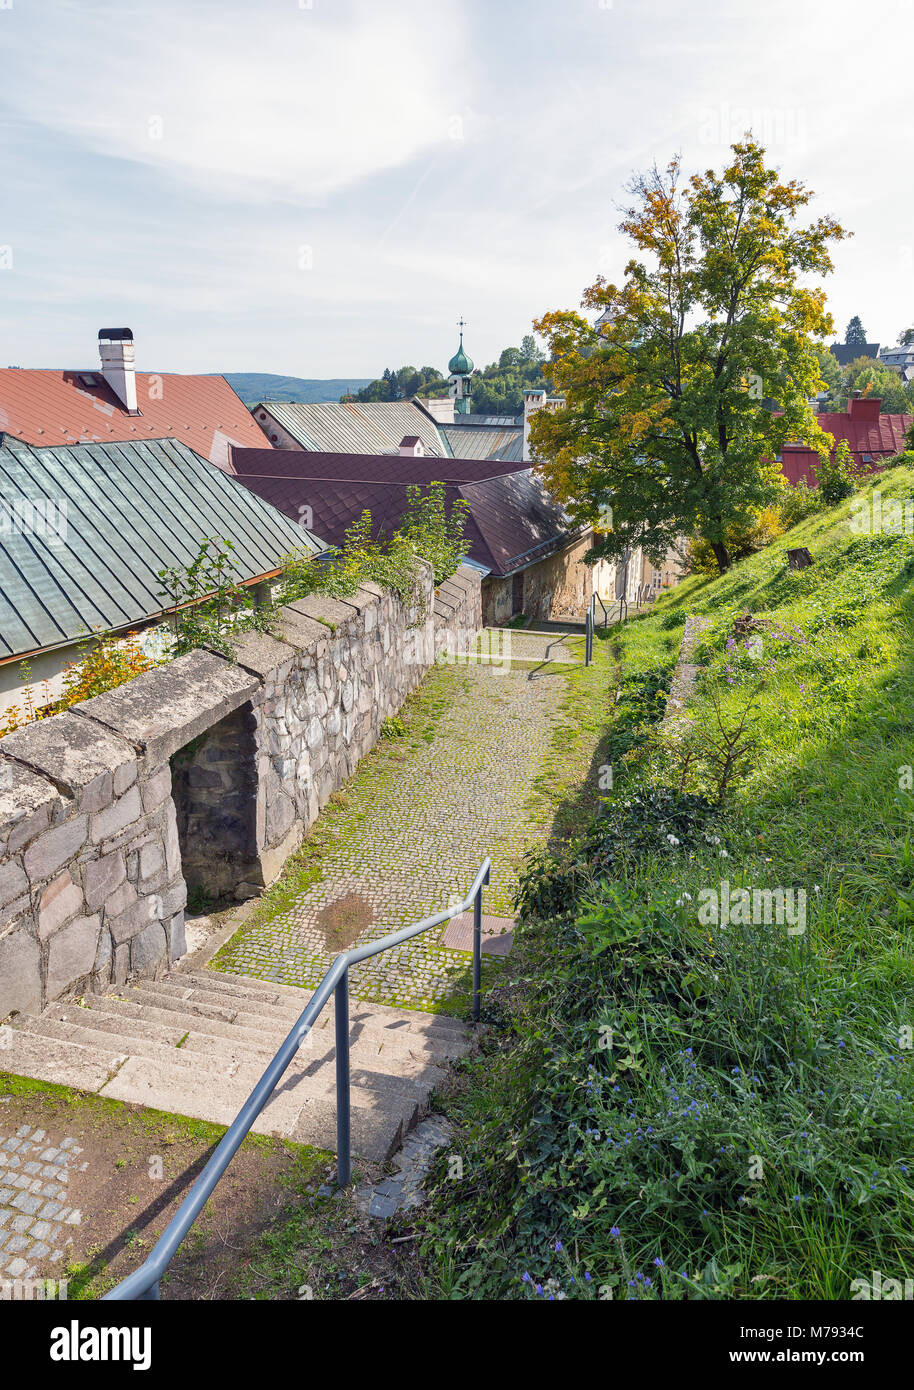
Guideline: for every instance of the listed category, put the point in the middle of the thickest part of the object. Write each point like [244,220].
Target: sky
[321,188]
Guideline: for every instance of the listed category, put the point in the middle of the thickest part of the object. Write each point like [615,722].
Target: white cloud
[254,101]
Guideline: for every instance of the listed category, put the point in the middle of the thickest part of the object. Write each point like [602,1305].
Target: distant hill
[262,386]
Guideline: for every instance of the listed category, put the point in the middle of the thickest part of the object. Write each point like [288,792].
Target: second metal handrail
[143,1283]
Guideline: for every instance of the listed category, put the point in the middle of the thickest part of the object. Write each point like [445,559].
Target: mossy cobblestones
[408,833]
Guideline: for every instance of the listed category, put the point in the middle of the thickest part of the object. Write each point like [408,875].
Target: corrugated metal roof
[45,408]
[480,441]
[132,509]
[370,427]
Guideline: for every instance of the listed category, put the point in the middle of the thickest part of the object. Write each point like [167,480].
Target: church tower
[460,368]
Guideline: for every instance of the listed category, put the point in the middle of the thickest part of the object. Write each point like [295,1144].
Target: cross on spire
[461,324]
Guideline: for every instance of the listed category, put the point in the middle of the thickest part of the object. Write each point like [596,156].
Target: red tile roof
[78,407]
[866,431]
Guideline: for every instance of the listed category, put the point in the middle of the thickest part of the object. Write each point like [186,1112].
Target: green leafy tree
[832,378]
[874,378]
[668,421]
[497,390]
[871,377]
[855,333]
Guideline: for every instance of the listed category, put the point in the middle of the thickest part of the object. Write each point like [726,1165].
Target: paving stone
[382,1207]
[411,842]
[28,1204]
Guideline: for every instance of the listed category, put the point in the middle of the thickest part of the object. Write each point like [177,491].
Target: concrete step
[246,987]
[306,1112]
[63,1063]
[112,1036]
[430,1034]
[125,1045]
[203,1031]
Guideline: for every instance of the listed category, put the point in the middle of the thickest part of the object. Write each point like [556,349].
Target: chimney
[115,346]
[441,409]
[534,400]
[865,408]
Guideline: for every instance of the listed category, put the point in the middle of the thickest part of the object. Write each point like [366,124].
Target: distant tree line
[497,389]
[868,375]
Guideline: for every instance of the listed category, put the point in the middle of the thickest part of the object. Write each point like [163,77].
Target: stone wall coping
[463,581]
[161,710]
[261,653]
[323,608]
[298,630]
[28,803]
[69,750]
[363,598]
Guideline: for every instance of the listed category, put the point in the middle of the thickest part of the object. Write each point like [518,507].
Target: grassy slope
[800,1043]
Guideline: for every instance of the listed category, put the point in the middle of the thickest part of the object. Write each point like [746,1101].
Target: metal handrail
[143,1283]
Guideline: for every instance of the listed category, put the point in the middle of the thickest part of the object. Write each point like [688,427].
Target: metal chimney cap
[116,335]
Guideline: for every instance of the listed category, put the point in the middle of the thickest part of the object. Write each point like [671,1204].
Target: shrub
[426,532]
[797,501]
[427,529]
[902,460]
[207,603]
[765,527]
[839,475]
[107,662]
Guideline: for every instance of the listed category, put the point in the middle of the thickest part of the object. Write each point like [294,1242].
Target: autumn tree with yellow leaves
[700,366]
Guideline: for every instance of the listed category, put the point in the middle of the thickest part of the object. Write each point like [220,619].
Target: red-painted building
[871,436]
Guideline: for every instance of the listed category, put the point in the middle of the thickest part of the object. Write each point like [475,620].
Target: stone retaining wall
[206,771]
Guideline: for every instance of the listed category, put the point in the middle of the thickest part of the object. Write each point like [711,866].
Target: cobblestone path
[407,834]
[34,1213]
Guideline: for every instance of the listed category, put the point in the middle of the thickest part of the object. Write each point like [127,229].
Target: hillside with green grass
[676,1101]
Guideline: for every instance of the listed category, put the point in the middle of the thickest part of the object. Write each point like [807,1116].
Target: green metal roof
[118,514]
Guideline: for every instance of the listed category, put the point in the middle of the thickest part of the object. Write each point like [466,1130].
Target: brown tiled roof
[78,407]
[390,468]
[512,519]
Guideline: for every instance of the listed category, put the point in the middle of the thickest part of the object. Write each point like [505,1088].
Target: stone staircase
[196,1043]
